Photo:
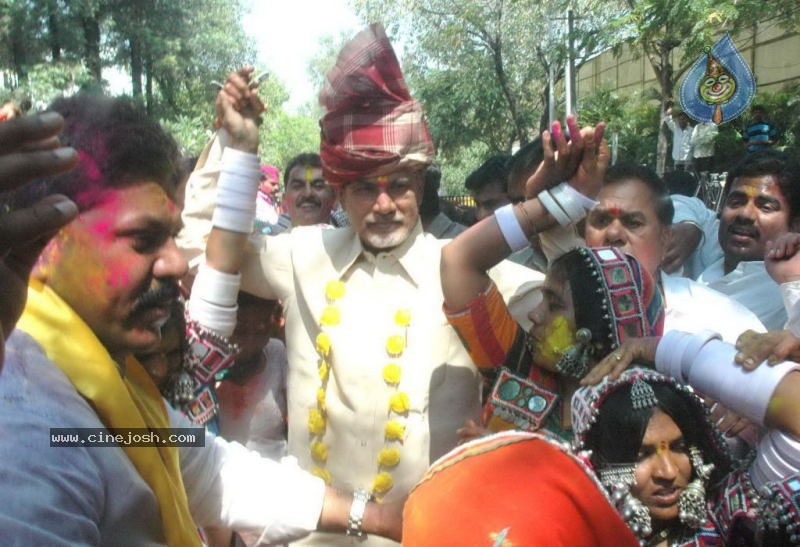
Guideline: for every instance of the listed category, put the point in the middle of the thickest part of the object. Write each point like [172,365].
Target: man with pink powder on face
[100,292]
[268,197]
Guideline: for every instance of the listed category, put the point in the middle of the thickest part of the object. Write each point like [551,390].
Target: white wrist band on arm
[552,206]
[707,364]
[510,228]
[220,319]
[569,193]
[566,204]
[778,457]
[236,191]
[212,302]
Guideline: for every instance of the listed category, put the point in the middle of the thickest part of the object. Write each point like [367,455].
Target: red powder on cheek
[118,276]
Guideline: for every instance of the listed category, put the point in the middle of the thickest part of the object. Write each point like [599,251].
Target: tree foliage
[480,67]
[673,33]
[171,51]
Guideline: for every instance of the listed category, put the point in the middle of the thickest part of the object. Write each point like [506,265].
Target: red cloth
[372,125]
[512,488]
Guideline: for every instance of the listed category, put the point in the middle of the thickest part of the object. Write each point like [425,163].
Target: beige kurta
[438,375]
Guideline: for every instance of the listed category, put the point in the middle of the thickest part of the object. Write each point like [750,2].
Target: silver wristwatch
[357,509]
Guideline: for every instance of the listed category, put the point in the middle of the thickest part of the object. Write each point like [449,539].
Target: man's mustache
[312,200]
[163,293]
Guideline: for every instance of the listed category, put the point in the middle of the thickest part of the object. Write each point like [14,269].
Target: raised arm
[238,108]
[466,259]
[768,395]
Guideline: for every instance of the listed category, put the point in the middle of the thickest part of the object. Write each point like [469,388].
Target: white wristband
[708,366]
[215,286]
[221,319]
[236,191]
[552,206]
[778,457]
[510,228]
[573,202]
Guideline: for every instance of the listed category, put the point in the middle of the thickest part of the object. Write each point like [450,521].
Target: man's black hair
[494,169]
[779,165]
[662,203]
[118,145]
[311,159]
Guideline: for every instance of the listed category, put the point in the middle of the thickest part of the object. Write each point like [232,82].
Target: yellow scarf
[129,402]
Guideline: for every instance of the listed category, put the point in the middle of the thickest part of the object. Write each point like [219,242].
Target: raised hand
[773,347]
[239,109]
[582,161]
[782,259]
[29,149]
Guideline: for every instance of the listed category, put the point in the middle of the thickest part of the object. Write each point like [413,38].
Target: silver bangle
[355,520]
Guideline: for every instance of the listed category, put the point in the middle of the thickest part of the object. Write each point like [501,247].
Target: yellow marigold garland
[399,403]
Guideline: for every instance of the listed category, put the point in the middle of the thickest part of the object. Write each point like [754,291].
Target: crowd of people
[593,362]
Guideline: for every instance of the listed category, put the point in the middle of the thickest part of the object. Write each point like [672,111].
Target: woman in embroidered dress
[665,464]
[650,440]
[534,373]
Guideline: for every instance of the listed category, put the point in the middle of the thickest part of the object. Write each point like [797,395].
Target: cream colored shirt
[437,373]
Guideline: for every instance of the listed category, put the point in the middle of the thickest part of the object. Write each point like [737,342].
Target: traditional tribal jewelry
[618,480]
[642,395]
[692,501]
[575,360]
[398,404]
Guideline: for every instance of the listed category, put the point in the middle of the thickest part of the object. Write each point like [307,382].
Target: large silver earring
[692,501]
[576,359]
[618,480]
[183,387]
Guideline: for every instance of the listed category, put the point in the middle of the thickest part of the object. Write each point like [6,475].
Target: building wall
[772,53]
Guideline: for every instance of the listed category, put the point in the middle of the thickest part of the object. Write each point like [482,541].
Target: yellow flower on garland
[323,370]
[323,344]
[391,373]
[330,316]
[383,483]
[402,318]
[395,345]
[389,457]
[321,402]
[334,290]
[316,422]
[399,402]
[319,451]
[395,431]
[321,473]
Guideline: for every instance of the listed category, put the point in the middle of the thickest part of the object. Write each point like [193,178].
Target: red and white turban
[372,126]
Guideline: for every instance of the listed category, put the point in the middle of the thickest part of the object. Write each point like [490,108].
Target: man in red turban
[378,382]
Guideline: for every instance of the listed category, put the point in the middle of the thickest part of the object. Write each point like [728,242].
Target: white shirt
[749,284]
[95,496]
[702,140]
[681,140]
[693,307]
[709,250]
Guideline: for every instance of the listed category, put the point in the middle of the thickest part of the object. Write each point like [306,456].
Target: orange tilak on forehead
[382,182]
[662,448]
